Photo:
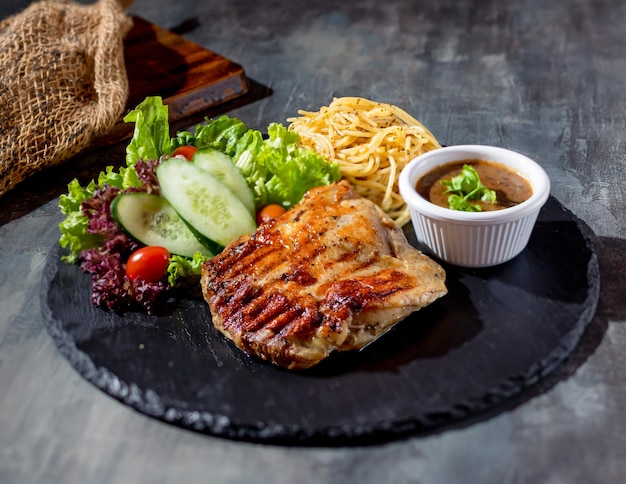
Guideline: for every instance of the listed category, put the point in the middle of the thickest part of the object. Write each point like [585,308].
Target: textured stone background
[543,78]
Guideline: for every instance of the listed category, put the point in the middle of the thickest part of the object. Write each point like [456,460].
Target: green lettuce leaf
[151,136]
[181,269]
[74,236]
[278,169]
[222,134]
[291,169]
[147,139]
[73,228]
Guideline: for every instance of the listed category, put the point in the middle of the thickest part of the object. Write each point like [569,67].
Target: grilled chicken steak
[333,273]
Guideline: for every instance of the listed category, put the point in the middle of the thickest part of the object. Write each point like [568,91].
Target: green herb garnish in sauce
[465,187]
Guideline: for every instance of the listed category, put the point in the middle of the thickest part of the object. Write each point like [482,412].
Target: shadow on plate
[429,333]
[611,308]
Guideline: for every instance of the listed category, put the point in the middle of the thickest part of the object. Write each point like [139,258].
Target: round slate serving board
[497,331]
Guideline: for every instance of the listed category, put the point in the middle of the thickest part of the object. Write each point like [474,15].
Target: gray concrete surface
[543,78]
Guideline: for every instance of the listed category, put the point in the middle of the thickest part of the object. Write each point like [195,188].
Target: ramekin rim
[541,189]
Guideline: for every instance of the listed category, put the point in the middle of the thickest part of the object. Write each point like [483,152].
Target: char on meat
[331,274]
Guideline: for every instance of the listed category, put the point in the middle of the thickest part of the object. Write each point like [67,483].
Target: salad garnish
[271,170]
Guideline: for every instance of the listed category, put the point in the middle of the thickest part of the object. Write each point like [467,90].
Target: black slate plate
[497,332]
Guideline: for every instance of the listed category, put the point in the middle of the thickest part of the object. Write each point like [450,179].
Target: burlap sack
[63,82]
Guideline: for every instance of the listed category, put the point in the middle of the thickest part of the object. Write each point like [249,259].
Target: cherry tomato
[148,263]
[185,151]
[269,212]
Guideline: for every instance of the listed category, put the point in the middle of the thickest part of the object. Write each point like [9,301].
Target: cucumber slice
[204,202]
[221,166]
[151,220]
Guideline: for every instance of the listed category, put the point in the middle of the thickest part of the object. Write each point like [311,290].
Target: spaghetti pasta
[371,142]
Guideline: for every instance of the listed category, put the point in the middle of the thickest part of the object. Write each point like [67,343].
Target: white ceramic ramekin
[474,239]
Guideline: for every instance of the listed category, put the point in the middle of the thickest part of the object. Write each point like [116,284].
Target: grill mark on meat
[257,312]
[238,293]
[344,298]
[260,257]
[302,325]
[246,253]
[282,315]
[357,266]
[272,306]
[300,275]
[286,317]
[331,274]
[258,253]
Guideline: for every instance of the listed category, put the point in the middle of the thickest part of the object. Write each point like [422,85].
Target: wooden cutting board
[188,77]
